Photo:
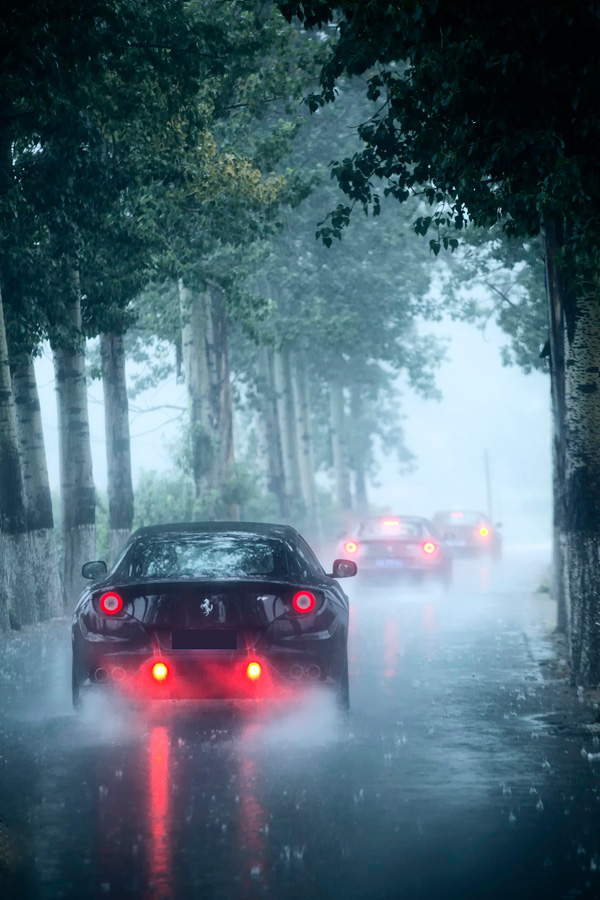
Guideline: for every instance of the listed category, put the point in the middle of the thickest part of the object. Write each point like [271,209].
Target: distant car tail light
[159,671]
[429,547]
[111,603]
[253,671]
[350,546]
[303,601]
[484,532]
[391,523]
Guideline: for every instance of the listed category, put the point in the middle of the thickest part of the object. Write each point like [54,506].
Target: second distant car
[468,533]
[390,546]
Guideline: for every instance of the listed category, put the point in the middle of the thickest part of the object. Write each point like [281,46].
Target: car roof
[267,529]
[380,519]
[468,512]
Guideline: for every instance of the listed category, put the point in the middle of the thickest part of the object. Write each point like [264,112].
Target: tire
[343,689]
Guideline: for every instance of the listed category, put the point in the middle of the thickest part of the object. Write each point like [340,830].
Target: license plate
[204,639]
[455,543]
[389,563]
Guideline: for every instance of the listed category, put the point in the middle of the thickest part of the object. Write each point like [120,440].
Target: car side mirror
[94,569]
[344,568]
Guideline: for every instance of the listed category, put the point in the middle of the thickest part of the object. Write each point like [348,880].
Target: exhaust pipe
[313,672]
[296,672]
[101,674]
[118,673]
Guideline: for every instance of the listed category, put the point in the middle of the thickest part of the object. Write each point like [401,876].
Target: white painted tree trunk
[339,446]
[118,442]
[38,499]
[273,444]
[559,301]
[306,456]
[582,544]
[78,502]
[17,576]
[205,349]
[286,413]
[360,450]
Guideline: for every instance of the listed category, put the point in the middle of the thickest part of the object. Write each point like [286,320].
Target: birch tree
[17,576]
[491,113]
[118,442]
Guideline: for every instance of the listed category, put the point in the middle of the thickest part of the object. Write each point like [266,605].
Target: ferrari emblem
[206,607]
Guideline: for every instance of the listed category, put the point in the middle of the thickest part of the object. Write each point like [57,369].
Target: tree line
[160,185]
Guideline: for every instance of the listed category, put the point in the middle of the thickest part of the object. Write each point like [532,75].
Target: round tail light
[350,546]
[253,671]
[429,547]
[484,532]
[111,603]
[159,671]
[303,601]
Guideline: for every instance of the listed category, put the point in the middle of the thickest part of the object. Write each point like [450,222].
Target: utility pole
[486,465]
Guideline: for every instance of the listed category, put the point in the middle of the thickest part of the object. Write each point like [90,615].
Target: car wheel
[343,689]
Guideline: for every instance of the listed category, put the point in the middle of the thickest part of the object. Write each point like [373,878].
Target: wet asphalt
[461,770]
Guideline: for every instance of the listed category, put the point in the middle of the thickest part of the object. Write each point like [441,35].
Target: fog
[484,405]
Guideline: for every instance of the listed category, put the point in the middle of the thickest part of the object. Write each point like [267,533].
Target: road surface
[454,775]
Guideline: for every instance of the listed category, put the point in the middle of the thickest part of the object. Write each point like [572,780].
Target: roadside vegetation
[161,183]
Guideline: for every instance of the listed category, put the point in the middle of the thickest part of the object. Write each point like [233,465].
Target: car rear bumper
[212,675]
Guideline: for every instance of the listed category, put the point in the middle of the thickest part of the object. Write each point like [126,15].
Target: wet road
[446,779]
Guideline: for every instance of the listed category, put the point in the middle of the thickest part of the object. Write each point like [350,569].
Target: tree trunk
[75,458]
[305,445]
[582,487]
[118,442]
[556,290]
[275,473]
[17,578]
[360,450]
[205,349]
[286,411]
[340,447]
[38,499]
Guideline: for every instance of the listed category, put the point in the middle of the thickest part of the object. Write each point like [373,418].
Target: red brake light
[350,546]
[253,671]
[429,547]
[159,671]
[303,601]
[111,603]
[456,515]
[484,532]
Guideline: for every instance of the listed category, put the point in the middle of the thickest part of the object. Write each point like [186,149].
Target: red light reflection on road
[159,849]
[252,821]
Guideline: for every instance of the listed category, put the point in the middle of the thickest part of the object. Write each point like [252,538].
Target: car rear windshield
[222,555]
[392,528]
[470,519]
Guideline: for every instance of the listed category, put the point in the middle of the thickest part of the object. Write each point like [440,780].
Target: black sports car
[392,546]
[212,610]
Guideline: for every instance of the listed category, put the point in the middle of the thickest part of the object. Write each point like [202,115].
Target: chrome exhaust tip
[296,672]
[313,672]
[118,673]
[101,674]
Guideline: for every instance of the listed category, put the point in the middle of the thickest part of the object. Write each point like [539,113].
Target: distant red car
[468,533]
[396,546]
